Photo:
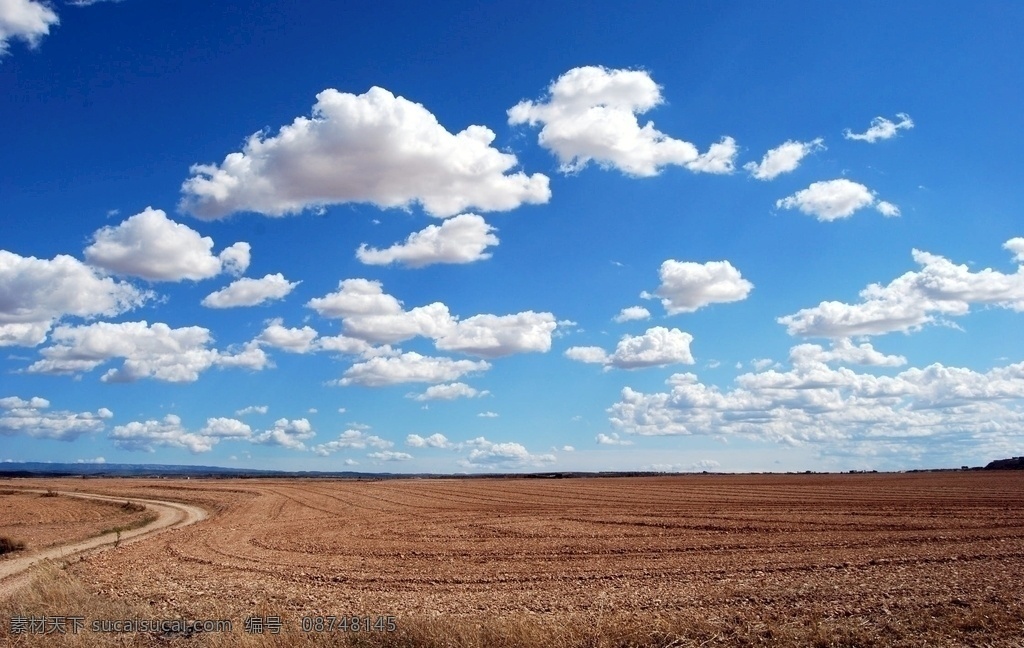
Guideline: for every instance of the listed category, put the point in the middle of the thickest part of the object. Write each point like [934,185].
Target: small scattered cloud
[351,439]
[436,440]
[389,455]
[293,340]
[252,409]
[287,433]
[632,313]
[488,415]
[409,367]
[687,286]
[450,391]
[590,115]
[251,292]
[831,200]
[612,439]
[783,159]
[657,347]
[460,239]
[488,454]
[881,129]
[151,246]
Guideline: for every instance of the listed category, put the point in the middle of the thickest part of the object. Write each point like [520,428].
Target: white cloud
[351,439]
[450,391]
[484,453]
[226,428]
[783,159]
[350,346]
[1016,245]
[588,354]
[249,356]
[831,200]
[436,440]
[913,300]
[152,246]
[369,314]
[27,20]
[287,434]
[250,292]
[86,3]
[293,340]
[371,148]
[146,436]
[881,129]
[35,293]
[157,351]
[252,409]
[590,114]
[33,418]
[815,403]
[687,286]
[487,415]
[461,239]
[887,209]
[657,347]
[409,367]
[568,448]
[632,313]
[612,439]
[494,336]
[389,455]
[843,351]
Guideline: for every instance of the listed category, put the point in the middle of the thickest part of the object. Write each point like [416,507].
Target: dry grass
[7,545]
[54,592]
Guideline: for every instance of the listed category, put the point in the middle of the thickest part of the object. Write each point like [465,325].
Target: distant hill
[44,469]
[1016,463]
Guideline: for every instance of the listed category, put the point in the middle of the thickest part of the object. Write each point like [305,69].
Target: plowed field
[907,559]
[41,521]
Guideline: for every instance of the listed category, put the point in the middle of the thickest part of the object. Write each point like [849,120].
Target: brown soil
[42,522]
[908,559]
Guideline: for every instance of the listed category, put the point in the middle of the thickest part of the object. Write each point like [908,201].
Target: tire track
[16,573]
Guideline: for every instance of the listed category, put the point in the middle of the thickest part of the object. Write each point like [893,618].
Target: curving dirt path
[170,515]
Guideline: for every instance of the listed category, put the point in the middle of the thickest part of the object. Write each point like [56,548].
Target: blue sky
[465,238]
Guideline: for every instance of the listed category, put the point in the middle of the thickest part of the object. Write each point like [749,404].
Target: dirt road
[170,515]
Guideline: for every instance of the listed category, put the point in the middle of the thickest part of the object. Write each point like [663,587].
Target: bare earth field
[925,559]
[40,521]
